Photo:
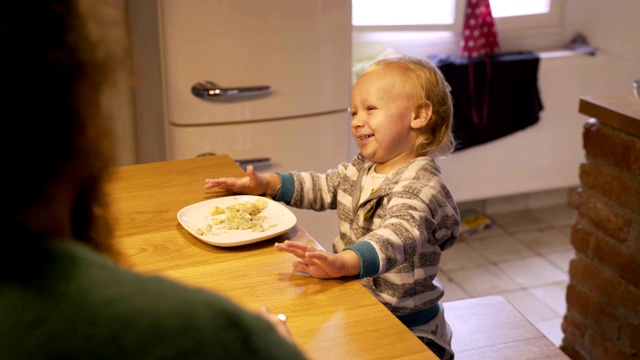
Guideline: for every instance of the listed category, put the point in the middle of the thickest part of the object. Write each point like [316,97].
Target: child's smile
[363,139]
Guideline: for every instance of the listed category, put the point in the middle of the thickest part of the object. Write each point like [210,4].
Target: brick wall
[603,295]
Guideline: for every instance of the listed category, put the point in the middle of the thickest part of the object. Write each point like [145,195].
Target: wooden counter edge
[620,111]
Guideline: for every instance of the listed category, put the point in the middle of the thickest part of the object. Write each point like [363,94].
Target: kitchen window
[448,15]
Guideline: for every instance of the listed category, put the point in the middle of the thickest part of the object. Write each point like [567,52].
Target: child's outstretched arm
[319,263]
[253,184]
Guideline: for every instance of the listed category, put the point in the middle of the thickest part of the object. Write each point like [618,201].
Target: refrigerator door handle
[243,163]
[209,90]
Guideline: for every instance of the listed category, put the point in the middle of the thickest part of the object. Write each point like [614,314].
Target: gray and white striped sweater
[399,232]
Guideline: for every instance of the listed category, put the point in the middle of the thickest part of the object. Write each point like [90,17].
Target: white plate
[196,216]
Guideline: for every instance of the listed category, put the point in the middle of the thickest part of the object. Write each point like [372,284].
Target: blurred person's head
[57,147]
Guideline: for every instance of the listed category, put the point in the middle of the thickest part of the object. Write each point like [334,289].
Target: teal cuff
[369,261]
[287,188]
[421,317]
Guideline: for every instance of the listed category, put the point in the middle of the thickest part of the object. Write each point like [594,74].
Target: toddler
[395,213]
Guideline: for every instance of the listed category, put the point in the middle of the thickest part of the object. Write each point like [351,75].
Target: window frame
[551,21]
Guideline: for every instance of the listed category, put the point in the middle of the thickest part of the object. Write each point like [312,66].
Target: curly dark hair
[57,136]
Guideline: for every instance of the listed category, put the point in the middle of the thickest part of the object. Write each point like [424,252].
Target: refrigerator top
[269,59]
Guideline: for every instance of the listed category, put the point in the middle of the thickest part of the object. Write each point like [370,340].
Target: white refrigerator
[262,80]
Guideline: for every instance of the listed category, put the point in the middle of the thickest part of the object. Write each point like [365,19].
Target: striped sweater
[399,232]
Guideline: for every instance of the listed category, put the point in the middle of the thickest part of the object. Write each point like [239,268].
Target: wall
[603,295]
[545,156]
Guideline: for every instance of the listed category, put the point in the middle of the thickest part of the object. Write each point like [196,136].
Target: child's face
[384,116]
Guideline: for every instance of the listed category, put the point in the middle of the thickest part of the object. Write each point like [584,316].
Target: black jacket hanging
[488,106]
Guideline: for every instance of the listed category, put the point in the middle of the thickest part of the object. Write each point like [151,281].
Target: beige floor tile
[532,271]
[565,229]
[557,215]
[562,258]
[483,281]
[501,248]
[559,197]
[544,241]
[461,255]
[529,305]
[506,204]
[524,257]
[552,329]
[519,221]
[452,291]
[554,296]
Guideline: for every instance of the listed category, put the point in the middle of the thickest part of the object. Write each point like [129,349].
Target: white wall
[547,155]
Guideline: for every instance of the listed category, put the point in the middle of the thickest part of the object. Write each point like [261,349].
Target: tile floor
[524,257]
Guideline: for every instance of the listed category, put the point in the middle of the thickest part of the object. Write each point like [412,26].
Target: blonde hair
[429,85]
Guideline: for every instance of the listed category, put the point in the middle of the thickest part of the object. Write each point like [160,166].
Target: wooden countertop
[621,111]
[329,319]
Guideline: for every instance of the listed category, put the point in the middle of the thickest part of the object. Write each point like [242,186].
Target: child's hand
[319,263]
[253,184]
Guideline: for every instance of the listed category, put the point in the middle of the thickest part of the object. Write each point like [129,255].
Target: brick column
[603,295]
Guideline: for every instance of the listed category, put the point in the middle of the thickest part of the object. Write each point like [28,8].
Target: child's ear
[422,115]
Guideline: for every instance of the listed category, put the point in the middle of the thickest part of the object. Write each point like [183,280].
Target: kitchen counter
[605,236]
[621,111]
